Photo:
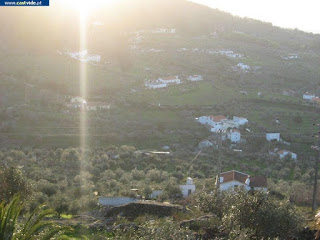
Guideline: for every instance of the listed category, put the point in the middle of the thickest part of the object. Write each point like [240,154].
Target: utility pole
[315,185]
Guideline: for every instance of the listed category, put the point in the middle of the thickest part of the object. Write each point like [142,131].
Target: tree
[12,183]
[258,213]
[172,190]
[34,228]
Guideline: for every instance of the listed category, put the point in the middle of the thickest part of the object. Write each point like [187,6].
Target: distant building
[94,106]
[155,85]
[78,100]
[243,66]
[169,80]
[234,135]
[221,122]
[273,136]
[240,121]
[283,153]
[308,96]
[195,78]
[234,179]
[189,188]
[316,100]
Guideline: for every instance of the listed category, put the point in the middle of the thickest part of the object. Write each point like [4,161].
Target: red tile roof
[316,100]
[218,118]
[256,181]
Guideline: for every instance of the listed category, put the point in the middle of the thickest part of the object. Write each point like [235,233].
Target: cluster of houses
[311,97]
[165,82]
[228,129]
[81,103]
[290,56]
[221,123]
[230,180]
[243,67]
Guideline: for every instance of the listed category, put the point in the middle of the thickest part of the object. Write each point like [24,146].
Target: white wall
[308,97]
[230,185]
[185,189]
[273,136]
[234,136]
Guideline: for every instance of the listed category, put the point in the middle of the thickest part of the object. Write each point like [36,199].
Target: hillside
[279,60]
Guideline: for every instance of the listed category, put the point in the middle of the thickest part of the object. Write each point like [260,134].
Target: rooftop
[255,181]
[218,118]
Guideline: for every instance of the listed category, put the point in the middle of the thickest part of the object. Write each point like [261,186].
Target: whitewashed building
[283,153]
[234,135]
[240,121]
[155,85]
[273,136]
[94,106]
[169,80]
[189,188]
[308,96]
[233,179]
[195,78]
[243,66]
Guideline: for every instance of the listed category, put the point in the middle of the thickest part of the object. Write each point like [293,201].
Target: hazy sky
[304,15]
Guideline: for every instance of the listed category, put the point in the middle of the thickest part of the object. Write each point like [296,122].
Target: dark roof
[258,181]
[255,181]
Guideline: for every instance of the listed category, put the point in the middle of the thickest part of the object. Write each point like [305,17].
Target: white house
[94,106]
[234,179]
[220,122]
[189,188]
[308,96]
[155,85]
[78,100]
[212,120]
[283,153]
[169,80]
[195,78]
[240,121]
[243,66]
[273,136]
[234,135]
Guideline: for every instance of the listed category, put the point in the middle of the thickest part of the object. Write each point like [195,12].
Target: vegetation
[34,226]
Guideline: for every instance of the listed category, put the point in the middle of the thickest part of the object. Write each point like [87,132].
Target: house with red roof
[283,153]
[234,179]
[215,122]
[308,96]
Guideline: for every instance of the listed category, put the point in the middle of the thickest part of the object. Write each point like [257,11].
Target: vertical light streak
[83,83]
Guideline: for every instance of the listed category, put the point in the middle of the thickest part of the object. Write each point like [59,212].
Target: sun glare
[85,7]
